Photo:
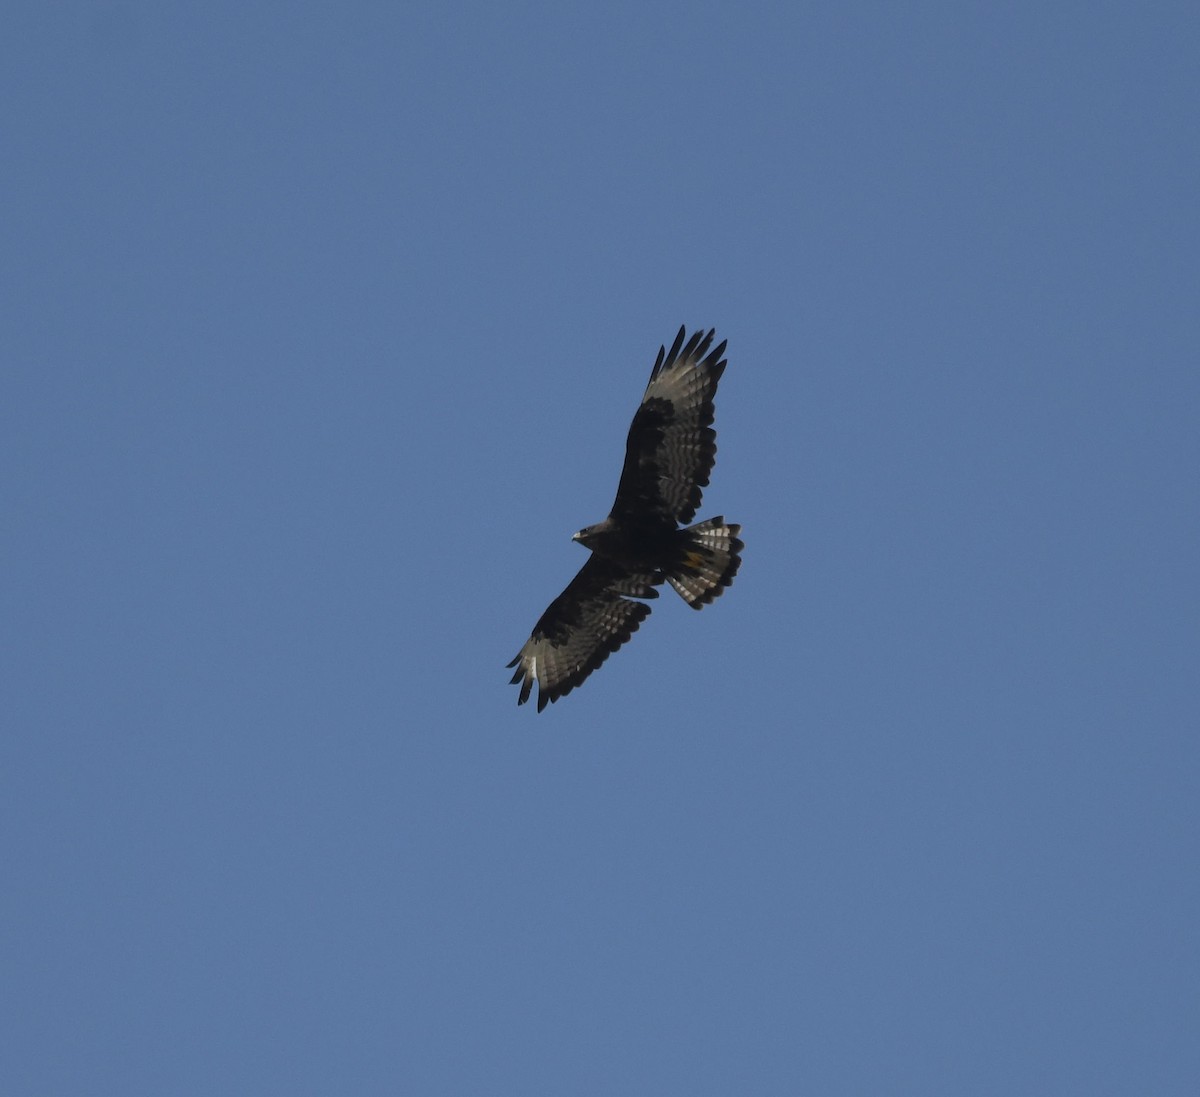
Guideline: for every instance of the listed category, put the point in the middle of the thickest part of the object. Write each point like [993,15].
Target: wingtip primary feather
[674,352]
[666,358]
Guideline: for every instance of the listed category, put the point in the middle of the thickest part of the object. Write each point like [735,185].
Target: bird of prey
[640,545]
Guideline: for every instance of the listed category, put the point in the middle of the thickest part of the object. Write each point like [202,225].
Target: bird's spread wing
[582,626]
[672,446]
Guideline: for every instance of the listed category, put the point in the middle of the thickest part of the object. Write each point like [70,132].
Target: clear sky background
[322,329]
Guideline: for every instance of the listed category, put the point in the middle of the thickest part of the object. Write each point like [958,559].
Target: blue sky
[323,329]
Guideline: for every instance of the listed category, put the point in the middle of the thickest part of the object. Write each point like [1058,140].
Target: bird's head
[589,535]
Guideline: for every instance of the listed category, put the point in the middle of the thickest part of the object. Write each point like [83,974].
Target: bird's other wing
[671,447]
[580,629]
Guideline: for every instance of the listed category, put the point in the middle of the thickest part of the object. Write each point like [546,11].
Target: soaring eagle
[639,546]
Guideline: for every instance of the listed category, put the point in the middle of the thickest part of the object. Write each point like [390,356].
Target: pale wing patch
[685,456]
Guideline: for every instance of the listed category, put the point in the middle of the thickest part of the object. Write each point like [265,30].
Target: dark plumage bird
[640,545]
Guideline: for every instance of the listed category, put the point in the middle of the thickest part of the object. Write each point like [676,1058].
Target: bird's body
[643,544]
[640,545]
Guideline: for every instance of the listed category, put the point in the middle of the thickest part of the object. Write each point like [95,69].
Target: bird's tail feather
[710,556]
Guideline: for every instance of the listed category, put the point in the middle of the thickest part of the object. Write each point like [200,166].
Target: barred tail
[709,559]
